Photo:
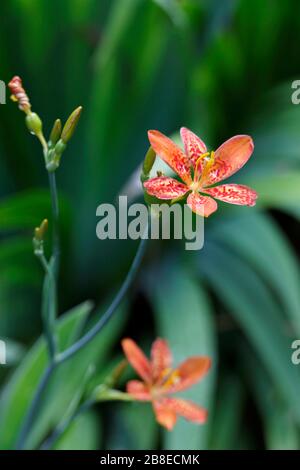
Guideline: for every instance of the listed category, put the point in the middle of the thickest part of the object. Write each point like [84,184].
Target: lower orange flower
[159,381]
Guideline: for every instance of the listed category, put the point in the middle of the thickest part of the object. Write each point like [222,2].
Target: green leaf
[26,210]
[83,434]
[278,191]
[280,427]
[127,429]
[227,418]
[61,392]
[18,392]
[259,241]
[121,15]
[255,309]
[175,11]
[183,316]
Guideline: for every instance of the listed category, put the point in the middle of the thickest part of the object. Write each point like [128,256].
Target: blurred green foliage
[220,68]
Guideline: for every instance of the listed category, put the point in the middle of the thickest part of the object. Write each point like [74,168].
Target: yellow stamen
[172,379]
[207,167]
[201,159]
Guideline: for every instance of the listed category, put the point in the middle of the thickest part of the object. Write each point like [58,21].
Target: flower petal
[234,194]
[190,372]
[137,359]
[161,357]
[187,409]
[164,187]
[194,146]
[201,205]
[171,154]
[165,416]
[138,390]
[229,158]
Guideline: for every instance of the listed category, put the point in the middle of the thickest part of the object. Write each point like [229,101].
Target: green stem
[55,214]
[105,395]
[49,309]
[68,353]
[72,350]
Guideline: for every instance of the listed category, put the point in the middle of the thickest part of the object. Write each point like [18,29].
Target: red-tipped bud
[18,94]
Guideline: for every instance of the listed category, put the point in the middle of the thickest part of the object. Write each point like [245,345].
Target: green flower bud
[39,232]
[55,133]
[149,161]
[34,123]
[38,238]
[71,124]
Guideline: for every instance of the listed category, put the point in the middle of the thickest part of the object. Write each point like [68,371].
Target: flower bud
[39,232]
[38,238]
[149,161]
[34,123]
[19,94]
[55,133]
[70,125]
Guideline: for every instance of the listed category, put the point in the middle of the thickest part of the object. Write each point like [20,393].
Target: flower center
[194,186]
[202,169]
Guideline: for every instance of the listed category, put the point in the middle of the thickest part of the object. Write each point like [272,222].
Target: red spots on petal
[164,187]
[193,145]
[233,194]
[202,205]
[168,151]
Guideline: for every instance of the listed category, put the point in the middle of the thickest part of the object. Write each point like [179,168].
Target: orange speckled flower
[199,170]
[159,381]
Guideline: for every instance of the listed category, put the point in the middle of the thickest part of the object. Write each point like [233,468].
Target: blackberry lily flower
[159,381]
[199,170]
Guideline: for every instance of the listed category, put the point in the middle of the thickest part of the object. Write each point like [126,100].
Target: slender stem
[55,213]
[49,310]
[111,309]
[110,395]
[34,406]
[61,428]
[44,144]
[68,353]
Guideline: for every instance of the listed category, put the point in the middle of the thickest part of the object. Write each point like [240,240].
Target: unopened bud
[55,133]
[39,232]
[19,94]
[34,123]
[149,161]
[71,124]
[38,239]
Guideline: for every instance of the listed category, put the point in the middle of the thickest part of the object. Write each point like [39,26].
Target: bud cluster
[59,136]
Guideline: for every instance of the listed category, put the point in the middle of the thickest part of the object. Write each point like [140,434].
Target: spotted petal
[164,187]
[138,390]
[190,372]
[234,194]
[137,359]
[164,414]
[202,205]
[186,409]
[161,357]
[193,145]
[229,158]
[168,151]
